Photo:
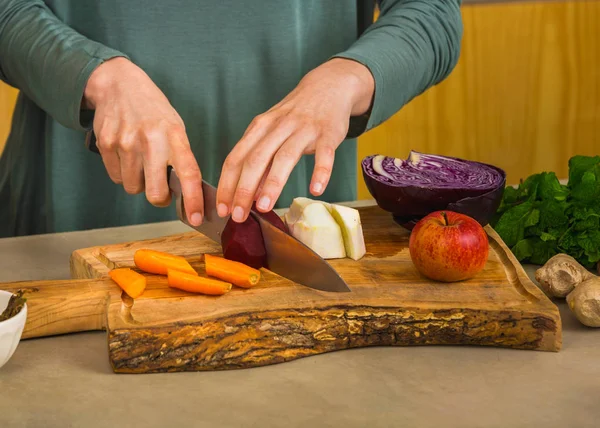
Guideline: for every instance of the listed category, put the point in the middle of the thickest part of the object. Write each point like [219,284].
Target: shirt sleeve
[413,45]
[47,60]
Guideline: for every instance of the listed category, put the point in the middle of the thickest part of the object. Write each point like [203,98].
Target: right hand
[139,134]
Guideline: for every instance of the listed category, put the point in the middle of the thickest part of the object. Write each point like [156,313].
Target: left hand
[312,119]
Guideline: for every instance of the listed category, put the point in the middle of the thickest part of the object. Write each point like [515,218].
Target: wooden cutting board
[277,321]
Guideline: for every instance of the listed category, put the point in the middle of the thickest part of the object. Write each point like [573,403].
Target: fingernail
[317,187]
[264,203]
[238,214]
[222,210]
[196,219]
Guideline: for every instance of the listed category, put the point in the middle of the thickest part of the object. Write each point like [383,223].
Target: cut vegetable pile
[330,230]
[181,275]
[413,188]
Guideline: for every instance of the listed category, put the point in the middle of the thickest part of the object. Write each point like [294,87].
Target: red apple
[448,246]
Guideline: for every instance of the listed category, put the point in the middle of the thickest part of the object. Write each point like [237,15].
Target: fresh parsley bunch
[541,217]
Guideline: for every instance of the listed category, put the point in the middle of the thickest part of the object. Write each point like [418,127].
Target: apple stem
[445,218]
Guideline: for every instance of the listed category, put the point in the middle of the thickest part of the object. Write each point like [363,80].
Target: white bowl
[10,329]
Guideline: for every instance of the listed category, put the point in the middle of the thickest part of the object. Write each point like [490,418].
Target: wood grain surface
[390,304]
[65,306]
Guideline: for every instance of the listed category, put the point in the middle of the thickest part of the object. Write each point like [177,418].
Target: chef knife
[286,256]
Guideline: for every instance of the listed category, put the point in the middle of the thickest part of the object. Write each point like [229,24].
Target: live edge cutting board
[278,320]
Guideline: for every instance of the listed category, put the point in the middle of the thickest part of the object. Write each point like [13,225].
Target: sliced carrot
[130,281]
[196,284]
[158,262]
[231,271]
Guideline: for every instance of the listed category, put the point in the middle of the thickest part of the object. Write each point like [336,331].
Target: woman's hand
[312,119]
[139,134]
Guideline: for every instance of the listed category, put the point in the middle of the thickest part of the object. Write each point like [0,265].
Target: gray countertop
[66,381]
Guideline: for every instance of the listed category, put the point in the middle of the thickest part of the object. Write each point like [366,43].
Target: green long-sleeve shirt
[220,63]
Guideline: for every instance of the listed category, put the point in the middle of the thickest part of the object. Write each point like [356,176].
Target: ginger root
[584,302]
[561,274]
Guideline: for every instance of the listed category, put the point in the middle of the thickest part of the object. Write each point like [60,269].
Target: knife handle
[91,144]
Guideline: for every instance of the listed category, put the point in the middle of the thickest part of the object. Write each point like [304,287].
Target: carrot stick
[196,284]
[158,262]
[130,281]
[231,271]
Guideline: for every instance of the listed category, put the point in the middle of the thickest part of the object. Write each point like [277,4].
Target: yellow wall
[525,94]
[8,96]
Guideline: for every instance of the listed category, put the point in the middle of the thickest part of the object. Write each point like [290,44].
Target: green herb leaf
[542,217]
[588,241]
[585,183]
[542,251]
[578,166]
[511,195]
[550,188]
[529,188]
[523,249]
[568,240]
[533,218]
[552,214]
[547,237]
[511,226]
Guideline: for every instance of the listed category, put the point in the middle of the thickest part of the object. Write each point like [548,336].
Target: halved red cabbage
[412,188]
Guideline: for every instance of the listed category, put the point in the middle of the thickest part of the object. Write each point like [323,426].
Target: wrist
[359,82]
[99,82]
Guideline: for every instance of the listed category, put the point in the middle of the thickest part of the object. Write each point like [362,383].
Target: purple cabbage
[412,188]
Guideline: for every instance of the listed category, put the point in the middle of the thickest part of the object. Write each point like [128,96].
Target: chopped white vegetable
[348,219]
[316,228]
[330,230]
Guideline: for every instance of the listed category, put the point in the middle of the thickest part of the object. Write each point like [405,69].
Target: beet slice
[243,242]
[273,218]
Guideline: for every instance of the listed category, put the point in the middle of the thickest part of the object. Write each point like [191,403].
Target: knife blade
[286,255]
[290,258]
[212,225]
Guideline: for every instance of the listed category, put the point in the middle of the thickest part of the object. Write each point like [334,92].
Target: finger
[132,172]
[155,160]
[155,175]
[262,182]
[232,167]
[324,158]
[107,146]
[254,168]
[131,165]
[284,161]
[112,164]
[188,171]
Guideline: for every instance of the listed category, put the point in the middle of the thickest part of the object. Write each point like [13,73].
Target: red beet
[243,242]
[273,218]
